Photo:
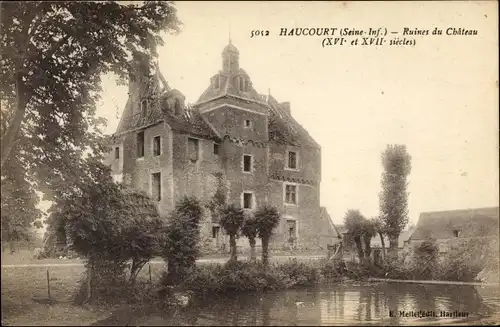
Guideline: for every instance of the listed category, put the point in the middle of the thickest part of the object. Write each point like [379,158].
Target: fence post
[48,283]
[149,265]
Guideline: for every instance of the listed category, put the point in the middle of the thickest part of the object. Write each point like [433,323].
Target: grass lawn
[24,296]
[26,257]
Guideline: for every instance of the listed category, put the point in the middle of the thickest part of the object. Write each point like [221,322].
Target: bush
[181,243]
[425,262]
[332,270]
[466,259]
[299,273]
[248,277]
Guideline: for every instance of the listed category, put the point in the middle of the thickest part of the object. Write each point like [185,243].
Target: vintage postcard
[253,163]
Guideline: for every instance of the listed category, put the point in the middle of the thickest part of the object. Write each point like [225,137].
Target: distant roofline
[458,210]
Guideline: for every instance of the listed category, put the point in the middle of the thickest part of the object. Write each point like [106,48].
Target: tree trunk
[393,244]
[135,270]
[232,245]
[359,247]
[12,246]
[383,245]
[253,256]
[90,273]
[265,251]
[368,248]
[8,140]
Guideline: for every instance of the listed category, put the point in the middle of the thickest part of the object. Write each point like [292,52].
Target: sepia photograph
[249,163]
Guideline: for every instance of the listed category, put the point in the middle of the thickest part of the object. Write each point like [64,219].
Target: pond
[353,304]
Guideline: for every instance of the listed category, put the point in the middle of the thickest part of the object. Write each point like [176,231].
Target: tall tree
[53,55]
[267,218]
[231,220]
[396,162]
[354,222]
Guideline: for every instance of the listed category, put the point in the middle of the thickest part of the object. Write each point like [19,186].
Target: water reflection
[367,304]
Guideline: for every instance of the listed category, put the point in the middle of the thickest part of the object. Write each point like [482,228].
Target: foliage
[267,219]
[355,224]
[110,225]
[237,276]
[231,220]
[467,258]
[332,270]
[369,232]
[182,234]
[396,162]
[425,261]
[53,56]
[19,201]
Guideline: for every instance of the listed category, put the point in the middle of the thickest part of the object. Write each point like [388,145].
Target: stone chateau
[232,136]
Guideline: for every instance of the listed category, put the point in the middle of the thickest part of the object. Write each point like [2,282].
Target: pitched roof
[470,223]
[190,121]
[283,128]
[325,215]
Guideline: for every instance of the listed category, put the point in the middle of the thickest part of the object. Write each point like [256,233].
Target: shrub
[181,241]
[332,270]
[466,259]
[425,261]
[299,273]
[237,276]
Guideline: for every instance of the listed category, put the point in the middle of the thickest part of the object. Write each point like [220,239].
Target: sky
[439,97]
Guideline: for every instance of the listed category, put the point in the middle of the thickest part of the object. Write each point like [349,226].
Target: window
[156,186]
[292,231]
[291,194]
[144,107]
[140,144]
[215,231]
[117,153]
[247,123]
[217,82]
[177,107]
[247,200]
[242,84]
[292,160]
[247,163]
[456,233]
[216,148]
[156,146]
[193,149]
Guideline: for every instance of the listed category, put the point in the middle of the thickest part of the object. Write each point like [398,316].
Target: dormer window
[456,233]
[144,107]
[216,82]
[247,123]
[242,83]
[177,107]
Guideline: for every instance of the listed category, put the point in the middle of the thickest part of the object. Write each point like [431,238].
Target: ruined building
[232,135]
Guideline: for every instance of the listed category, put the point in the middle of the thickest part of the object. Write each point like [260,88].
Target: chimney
[285,106]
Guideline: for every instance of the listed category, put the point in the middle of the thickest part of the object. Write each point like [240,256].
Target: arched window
[144,107]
